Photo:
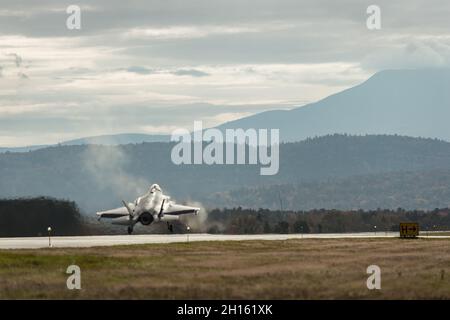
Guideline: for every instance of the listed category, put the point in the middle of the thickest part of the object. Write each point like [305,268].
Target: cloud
[191,72]
[151,129]
[187,32]
[22,75]
[180,72]
[154,65]
[13,13]
[412,53]
[17,59]
[229,116]
[139,70]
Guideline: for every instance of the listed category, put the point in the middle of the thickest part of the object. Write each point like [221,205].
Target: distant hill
[406,102]
[118,139]
[22,149]
[99,177]
[108,140]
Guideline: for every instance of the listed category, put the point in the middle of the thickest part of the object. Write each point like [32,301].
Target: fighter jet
[152,207]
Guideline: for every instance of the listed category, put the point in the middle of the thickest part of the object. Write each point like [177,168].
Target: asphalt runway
[94,241]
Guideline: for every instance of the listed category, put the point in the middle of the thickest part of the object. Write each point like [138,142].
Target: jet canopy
[154,187]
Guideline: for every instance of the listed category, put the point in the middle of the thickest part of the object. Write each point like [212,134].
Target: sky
[155,66]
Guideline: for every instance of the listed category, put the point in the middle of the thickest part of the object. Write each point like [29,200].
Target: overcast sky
[152,66]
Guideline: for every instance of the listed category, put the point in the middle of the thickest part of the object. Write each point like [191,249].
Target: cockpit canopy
[154,187]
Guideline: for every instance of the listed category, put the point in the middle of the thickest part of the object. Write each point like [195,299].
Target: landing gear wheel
[130,230]
[170,227]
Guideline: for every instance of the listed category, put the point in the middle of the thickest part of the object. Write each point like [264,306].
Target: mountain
[108,140]
[413,103]
[406,102]
[99,177]
[22,149]
[117,139]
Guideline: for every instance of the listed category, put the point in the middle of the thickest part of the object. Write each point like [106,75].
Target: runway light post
[188,230]
[49,229]
[375,228]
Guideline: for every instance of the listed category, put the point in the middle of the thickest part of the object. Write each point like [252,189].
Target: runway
[111,240]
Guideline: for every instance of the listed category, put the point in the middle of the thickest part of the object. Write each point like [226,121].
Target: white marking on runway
[112,240]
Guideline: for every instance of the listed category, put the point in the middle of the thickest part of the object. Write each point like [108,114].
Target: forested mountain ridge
[99,177]
[410,190]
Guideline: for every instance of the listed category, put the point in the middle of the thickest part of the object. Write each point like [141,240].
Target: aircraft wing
[114,213]
[177,209]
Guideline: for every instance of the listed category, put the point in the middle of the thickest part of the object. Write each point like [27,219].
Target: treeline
[240,221]
[32,217]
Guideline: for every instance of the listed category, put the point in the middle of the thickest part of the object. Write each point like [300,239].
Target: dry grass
[294,269]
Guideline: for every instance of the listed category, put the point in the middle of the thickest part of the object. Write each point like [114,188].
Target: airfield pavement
[111,240]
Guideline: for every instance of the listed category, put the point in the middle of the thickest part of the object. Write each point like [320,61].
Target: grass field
[294,269]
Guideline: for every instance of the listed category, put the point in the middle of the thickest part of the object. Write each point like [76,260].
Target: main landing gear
[130,230]
[170,227]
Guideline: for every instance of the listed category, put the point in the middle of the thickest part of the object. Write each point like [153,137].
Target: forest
[238,220]
[332,172]
[31,217]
